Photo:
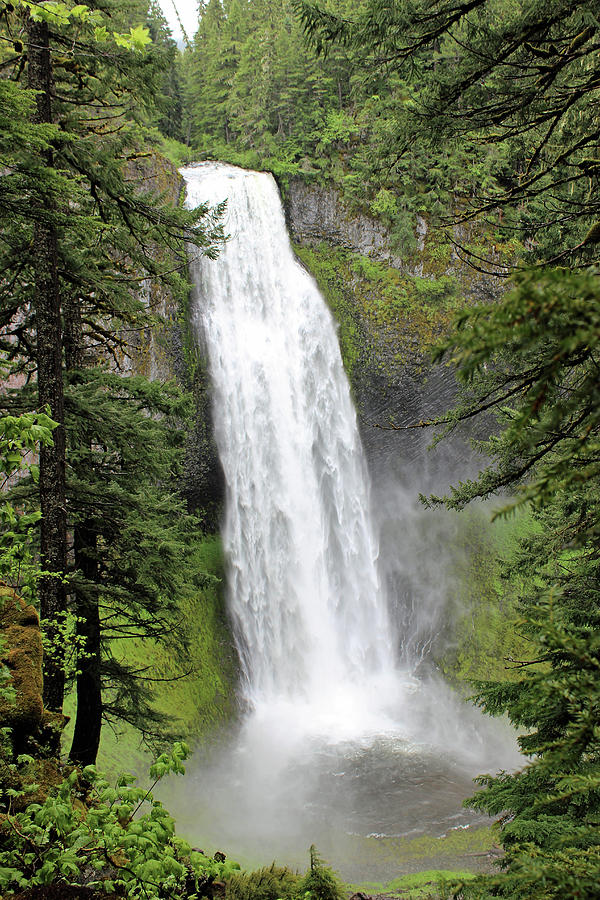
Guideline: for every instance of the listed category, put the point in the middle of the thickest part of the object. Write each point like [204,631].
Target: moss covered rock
[22,655]
[32,727]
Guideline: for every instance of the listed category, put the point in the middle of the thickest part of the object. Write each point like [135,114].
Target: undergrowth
[116,838]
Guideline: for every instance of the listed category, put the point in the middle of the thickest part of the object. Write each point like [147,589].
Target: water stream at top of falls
[309,616]
[338,743]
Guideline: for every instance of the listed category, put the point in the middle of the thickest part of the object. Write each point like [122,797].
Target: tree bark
[88,721]
[50,387]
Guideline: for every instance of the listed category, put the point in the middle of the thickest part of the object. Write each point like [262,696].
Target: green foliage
[269,883]
[20,438]
[330,269]
[115,230]
[176,152]
[200,687]
[280,883]
[321,882]
[501,90]
[195,690]
[101,171]
[532,360]
[434,883]
[57,13]
[118,838]
[482,610]
[383,313]
[257,96]
[515,79]
[142,563]
[340,127]
[549,403]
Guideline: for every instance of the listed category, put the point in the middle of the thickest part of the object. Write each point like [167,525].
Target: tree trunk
[50,388]
[88,719]
[88,722]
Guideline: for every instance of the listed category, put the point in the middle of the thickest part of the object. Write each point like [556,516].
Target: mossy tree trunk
[50,384]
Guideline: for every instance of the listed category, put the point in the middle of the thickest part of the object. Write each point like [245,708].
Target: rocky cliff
[165,351]
[391,306]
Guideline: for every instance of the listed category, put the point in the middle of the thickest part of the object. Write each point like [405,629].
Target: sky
[188,12]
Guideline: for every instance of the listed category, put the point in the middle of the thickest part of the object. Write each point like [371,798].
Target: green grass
[430,883]
[382,312]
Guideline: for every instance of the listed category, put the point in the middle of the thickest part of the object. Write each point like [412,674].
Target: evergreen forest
[465,132]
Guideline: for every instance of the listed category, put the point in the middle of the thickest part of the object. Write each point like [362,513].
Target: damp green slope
[482,610]
[196,688]
[386,318]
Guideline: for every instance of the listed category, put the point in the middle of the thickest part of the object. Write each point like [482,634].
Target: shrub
[321,882]
[269,883]
[116,839]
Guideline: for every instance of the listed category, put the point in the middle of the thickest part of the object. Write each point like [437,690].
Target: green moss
[203,698]
[460,851]
[458,842]
[432,883]
[269,883]
[329,268]
[386,317]
[437,255]
[417,884]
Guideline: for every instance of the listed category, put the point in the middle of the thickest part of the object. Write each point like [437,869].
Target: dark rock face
[387,385]
[391,311]
[165,352]
[203,482]
[155,352]
[315,214]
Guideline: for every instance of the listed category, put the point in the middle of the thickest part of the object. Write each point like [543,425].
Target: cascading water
[308,612]
[336,740]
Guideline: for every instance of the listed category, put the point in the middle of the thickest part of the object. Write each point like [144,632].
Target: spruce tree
[518,80]
[533,359]
[133,542]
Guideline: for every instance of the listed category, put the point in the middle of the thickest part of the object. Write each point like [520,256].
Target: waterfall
[304,595]
[338,745]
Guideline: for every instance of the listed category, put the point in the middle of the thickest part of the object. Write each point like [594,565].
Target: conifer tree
[518,78]
[209,68]
[133,542]
[523,77]
[251,82]
[89,227]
